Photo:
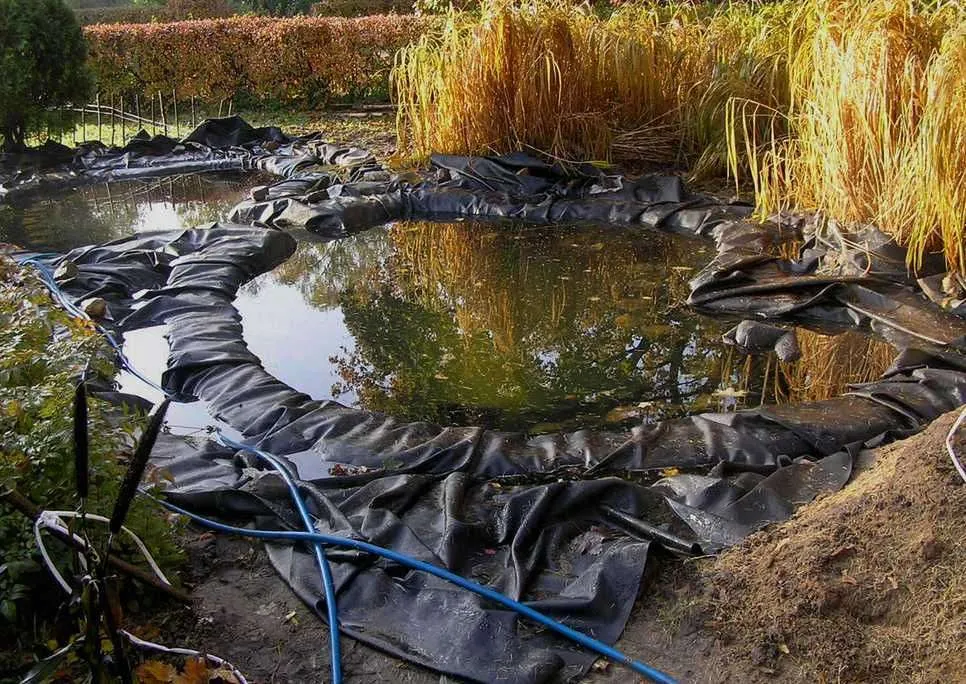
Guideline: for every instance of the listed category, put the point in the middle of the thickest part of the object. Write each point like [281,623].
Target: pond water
[508,326]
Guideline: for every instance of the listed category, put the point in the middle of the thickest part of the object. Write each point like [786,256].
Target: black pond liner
[544,519]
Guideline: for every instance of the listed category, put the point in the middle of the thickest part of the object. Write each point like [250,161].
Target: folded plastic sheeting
[228,144]
[547,519]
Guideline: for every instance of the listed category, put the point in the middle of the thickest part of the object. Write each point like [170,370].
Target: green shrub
[42,64]
[42,354]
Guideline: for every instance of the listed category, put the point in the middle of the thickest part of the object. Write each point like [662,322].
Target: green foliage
[42,53]
[278,8]
[43,352]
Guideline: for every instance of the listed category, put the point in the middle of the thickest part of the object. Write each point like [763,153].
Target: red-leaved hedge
[294,59]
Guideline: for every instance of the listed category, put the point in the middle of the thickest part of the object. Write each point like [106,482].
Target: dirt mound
[867,584]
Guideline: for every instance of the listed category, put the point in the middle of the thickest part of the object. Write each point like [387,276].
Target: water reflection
[516,327]
[543,328]
[508,326]
[107,211]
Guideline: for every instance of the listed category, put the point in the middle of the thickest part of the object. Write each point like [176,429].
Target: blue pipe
[325,570]
[598,647]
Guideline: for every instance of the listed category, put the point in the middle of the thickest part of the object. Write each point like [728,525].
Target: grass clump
[875,128]
[648,82]
[857,109]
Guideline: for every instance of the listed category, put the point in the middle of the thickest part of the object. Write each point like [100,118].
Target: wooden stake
[177,121]
[164,121]
[97,103]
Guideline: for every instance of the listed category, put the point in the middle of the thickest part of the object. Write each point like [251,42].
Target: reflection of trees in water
[323,270]
[56,224]
[107,211]
[508,326]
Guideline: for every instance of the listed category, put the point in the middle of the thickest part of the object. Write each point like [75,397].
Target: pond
[508,326]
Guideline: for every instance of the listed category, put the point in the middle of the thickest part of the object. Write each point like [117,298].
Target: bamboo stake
[164,121]
[97,101]
[177,121]
[113,121]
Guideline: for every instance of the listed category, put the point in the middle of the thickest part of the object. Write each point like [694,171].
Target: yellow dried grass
[854,108]
[875,130]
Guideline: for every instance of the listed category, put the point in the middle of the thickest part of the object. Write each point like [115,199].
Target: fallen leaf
[195,672]
[155,672]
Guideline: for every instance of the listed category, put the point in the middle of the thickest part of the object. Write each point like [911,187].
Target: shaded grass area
[857,109]
[374,130]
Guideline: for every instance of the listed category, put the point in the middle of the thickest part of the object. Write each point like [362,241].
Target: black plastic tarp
[532,516]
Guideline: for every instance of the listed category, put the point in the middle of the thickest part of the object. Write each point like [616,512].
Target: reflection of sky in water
[293,339]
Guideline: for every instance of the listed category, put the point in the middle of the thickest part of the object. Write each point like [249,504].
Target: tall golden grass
[857,109]
[649,82]
[875,130]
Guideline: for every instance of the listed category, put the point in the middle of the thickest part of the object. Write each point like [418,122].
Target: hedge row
[307,59]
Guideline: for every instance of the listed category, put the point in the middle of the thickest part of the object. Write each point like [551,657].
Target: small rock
[95,307]
[66,271]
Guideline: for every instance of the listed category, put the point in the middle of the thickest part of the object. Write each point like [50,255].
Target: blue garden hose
[598,647]
[319,540]
[325,570]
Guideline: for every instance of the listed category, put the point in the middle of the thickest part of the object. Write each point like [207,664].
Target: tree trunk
[14,134]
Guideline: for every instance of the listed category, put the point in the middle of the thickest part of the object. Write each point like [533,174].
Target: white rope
[53,520]
[151,646]
[949,445]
